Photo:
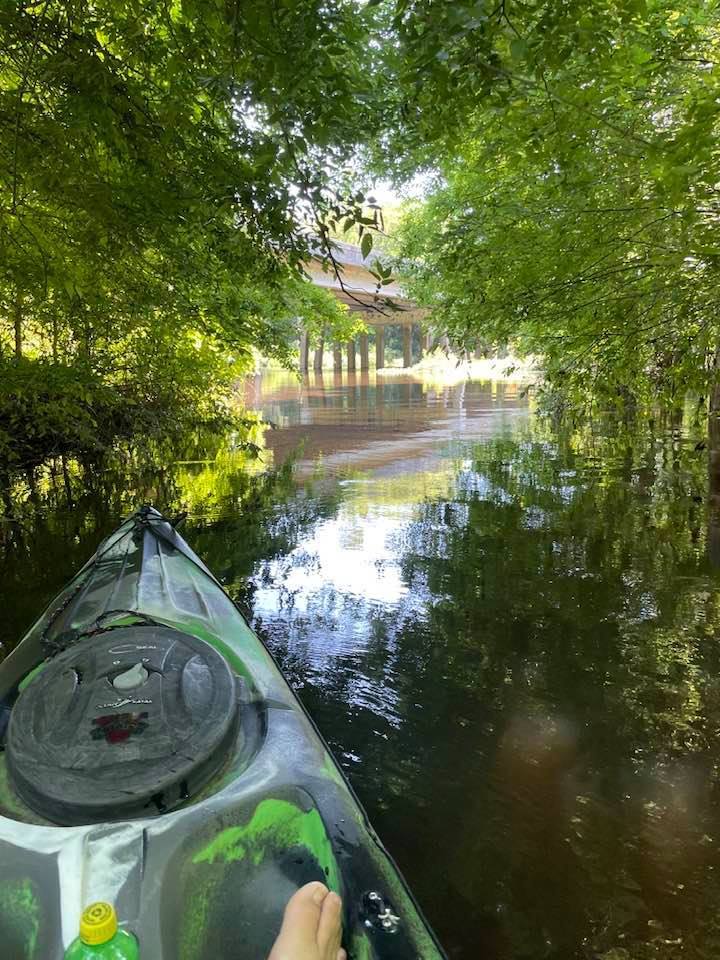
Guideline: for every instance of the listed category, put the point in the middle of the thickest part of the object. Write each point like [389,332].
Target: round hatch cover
[127,723]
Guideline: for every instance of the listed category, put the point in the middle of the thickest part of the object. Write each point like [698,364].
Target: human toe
[303,913]
[329,931]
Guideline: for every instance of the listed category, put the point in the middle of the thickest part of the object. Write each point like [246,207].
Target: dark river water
[508,636]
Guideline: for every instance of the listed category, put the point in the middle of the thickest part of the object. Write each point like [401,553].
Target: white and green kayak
[153,756]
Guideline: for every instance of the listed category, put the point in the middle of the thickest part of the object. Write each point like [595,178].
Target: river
[507,634]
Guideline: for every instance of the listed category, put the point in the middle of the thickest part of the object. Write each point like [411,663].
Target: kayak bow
[153,756]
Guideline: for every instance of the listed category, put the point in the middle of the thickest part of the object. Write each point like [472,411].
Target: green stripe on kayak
[275,825]
[21,919]
[30,676]
[220,868]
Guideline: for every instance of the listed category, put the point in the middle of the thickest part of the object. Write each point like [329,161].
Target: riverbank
[454,368]
[443,367]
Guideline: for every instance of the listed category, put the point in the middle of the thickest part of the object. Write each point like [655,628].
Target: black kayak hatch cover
[127,723]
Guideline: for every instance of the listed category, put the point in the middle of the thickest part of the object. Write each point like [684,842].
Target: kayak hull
[211,877]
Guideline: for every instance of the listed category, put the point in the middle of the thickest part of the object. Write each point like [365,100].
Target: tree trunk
[713,539]
[18,327]
[67,483]
[319,350]
[304,351]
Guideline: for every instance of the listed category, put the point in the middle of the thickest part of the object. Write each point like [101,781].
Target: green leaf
[518,48]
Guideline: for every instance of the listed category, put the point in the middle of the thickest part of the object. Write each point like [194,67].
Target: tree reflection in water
[510,643]
[524,691]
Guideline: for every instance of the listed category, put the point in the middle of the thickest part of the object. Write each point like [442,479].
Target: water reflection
[509,639]
[507,635]
[363,421]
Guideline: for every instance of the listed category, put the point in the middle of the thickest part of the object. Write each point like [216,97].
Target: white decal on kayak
[130,647]
[120,703]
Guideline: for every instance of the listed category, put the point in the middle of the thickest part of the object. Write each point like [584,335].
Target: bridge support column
[304,352]
[407,345]
[379,347]
[318,363]
[364,353]
[428,342]
[351,356]
[337,357]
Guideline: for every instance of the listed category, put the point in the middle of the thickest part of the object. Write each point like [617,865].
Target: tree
[577,212]
[163,168]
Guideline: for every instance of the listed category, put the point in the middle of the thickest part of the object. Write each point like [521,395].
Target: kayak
[153,757]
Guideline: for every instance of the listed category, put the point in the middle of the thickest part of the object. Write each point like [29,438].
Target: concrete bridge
[358,290]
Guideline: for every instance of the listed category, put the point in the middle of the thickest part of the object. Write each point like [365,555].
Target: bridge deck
[359,289]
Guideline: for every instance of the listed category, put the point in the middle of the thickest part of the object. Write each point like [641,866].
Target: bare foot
[312,926]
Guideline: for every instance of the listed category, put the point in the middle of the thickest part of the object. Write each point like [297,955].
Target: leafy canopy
[575,202]
[163,169]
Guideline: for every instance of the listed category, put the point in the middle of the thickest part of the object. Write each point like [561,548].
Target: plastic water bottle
[100,938]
